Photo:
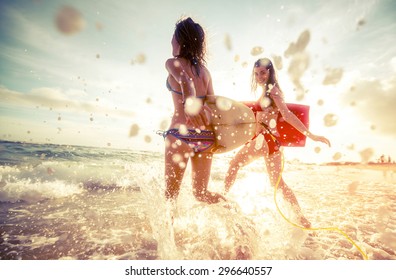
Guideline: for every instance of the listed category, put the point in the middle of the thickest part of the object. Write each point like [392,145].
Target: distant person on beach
[190,135]
[382,159]
[265,143]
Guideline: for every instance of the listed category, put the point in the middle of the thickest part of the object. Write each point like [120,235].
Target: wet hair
[191,38]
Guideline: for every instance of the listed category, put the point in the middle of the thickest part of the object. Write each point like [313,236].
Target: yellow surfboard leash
[335,229]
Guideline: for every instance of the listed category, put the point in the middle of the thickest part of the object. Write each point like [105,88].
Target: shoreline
[370,165]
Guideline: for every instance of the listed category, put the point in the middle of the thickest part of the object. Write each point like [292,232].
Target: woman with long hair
[190,135]
[265,143]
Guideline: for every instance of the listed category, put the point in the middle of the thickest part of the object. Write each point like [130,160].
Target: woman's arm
[289,117]
[175,69]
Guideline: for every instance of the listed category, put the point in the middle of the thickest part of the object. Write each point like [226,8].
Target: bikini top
[175,91]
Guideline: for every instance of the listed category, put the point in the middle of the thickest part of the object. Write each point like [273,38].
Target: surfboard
[289,136]
[233,123]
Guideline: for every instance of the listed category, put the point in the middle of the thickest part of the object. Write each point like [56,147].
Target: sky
[92,72]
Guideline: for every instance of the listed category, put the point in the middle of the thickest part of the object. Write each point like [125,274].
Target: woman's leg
[246,155]
[175,165]
[274,166]
[201,164]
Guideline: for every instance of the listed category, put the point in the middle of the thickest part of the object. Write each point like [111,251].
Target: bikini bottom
[199,141]
[272,143]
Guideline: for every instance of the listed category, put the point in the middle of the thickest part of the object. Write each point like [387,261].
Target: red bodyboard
[289,136]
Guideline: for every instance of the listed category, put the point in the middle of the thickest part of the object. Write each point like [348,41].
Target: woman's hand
[319,138]
[195,113]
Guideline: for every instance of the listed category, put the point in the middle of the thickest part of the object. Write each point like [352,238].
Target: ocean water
[70,202]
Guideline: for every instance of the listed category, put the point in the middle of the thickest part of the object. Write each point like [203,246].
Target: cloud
[375,101]
[55,98]
[53,57]
[393,63]
[30,33]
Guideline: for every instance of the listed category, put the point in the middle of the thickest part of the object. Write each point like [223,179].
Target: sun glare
[253,193]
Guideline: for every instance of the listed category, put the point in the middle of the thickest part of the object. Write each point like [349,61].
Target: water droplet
[147,139]
[256,50]
[272,123]
[183,129]
[223,104]
[193,106]
[134,130]
[69,20]
[337,156]
[330,120]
